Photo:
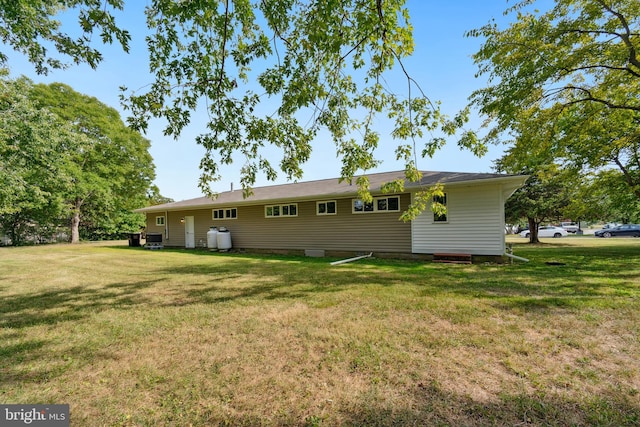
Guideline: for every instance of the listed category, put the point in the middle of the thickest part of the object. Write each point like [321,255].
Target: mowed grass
[133,337]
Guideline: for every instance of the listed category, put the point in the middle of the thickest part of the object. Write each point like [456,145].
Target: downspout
[166,225]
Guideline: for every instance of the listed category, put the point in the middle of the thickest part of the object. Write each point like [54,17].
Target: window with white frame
[277,211]
[160,221]
[379,204]
[226,213]
[327,207]
[442,202]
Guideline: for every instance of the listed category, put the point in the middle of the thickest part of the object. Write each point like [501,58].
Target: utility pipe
[344,261]
[519,258]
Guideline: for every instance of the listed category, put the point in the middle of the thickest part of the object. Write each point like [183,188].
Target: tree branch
[223,47]
[600,66]
[626,37]
[590,97]
[381,16]
[627,176]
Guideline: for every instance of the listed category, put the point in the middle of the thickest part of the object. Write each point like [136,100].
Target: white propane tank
[212,239]
[224,239]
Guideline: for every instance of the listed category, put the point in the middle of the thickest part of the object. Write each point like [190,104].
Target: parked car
[571,227]
[631,230]
[611,225]
[547,231]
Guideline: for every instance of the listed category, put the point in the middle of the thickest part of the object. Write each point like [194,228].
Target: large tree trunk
[75,226]
[15,235]
[533,230]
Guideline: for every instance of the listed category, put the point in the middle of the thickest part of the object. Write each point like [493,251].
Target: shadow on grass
[47,309]
[429,405]
[587,278]
[433,406]
[67,304]
[534,286]
[590,277]
[222,278]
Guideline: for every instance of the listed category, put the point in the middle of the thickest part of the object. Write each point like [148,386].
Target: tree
[109,164]
[544,196]
[605,196]
[28,25]
[32,166]
[155,198]
[66,158]
[597,138]
[271,74]
[571,74]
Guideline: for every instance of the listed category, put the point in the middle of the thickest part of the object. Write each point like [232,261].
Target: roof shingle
[321,188]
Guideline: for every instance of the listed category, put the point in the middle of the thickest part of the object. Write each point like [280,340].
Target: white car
[547,231]
[571,227]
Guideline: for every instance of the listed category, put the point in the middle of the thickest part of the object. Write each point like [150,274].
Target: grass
[133,337]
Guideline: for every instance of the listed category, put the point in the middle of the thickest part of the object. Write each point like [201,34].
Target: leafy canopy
[580,51]
[32,168]
[272,75]
[544,197]
[30,27]
[109,163]
[564,84]
[64,155]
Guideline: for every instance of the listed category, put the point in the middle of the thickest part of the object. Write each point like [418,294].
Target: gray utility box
[154,241]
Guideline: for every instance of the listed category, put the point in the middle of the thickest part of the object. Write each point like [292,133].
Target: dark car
[629,230]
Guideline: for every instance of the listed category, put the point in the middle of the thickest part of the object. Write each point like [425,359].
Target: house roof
[330,188]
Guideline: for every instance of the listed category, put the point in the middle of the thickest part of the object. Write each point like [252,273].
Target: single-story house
[326,217]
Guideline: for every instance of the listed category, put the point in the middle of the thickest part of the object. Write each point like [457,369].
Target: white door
[189,232]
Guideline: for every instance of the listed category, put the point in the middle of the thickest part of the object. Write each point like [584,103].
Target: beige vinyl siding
[202,221]
[151,224]
[475,223]
[376,232]
[475,220]
[381,232]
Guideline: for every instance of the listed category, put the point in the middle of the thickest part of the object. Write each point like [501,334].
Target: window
[226,213]
[160,220]
[328,207]
[274,211]
[379,204]
[442,200]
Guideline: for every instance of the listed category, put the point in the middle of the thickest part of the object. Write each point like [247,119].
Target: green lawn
[128,336]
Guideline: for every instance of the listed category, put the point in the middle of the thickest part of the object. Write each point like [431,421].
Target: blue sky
[441,64]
